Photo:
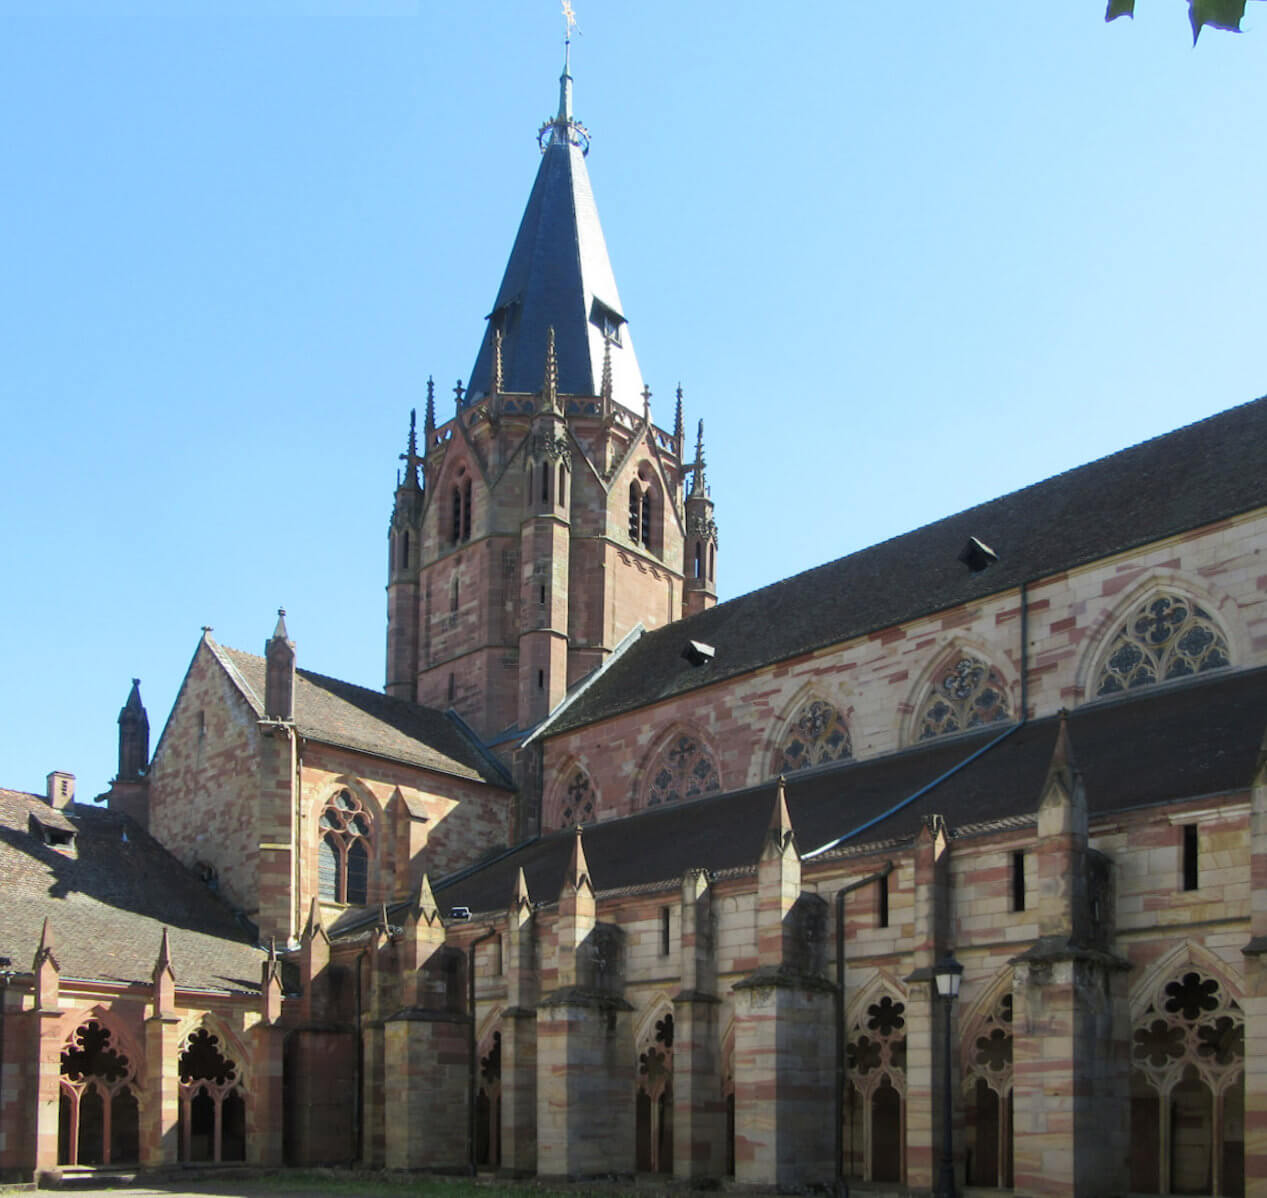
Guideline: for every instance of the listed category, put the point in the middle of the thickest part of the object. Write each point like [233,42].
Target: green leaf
[1222,14]
[1119,8]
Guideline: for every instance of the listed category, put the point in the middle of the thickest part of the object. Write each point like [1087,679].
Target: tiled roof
[558,268]
[354,717]
[1186,479]
[109,902]
[1162,745]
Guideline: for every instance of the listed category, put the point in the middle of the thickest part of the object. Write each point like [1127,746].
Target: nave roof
[1188,478]
[1195,739]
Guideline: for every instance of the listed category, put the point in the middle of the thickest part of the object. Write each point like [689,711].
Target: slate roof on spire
[559,274]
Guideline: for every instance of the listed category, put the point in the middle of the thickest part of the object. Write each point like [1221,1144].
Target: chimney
[61,789]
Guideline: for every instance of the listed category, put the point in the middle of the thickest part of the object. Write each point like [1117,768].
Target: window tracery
[212,1101]
[968,693]
[654,1131]
[987,1084]
[1187,1088]
[876,1056]
[1166,637]
[577,806]
[99,1118]
[343,856]
[817,735]
[685,771]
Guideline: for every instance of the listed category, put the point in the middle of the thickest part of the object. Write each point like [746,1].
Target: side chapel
[612,878]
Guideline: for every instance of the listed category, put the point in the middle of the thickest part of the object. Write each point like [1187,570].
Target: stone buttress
[585,1058]
[519,1037]
[425,1043]
[1070,1020]
[783,1020]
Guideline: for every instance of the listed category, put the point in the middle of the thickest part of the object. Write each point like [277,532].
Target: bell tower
[548,517]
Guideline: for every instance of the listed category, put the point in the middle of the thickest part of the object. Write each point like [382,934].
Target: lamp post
[947,973]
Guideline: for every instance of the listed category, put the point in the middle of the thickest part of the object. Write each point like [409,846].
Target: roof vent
[977,555]
[698,653]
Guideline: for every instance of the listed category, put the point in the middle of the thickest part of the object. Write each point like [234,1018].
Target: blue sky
[901,259]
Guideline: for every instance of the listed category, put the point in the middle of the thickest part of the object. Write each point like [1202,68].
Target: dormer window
[607,321]
[55,833]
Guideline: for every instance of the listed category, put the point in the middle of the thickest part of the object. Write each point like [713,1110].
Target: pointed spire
[677,422]
[699,481]
[164,961]
[410,456]
[279,672]
[164,977]
[578,874]
[425,908]
[47,970]
[1061,770]
[550,383]
[495,381]
[429,420]
[271,985]
[519,898]
[564,116]
[134,737]
[44,951]
[779,834]
[313,927]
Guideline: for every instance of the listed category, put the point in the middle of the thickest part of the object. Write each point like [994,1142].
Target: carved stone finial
[677,422]
[699,483]
[429,421]
[646,403]
[459,391]
[410,456]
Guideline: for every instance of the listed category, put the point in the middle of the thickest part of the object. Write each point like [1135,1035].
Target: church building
[942,865]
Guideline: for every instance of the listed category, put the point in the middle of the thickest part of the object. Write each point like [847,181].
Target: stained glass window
[343,858]
[685,770]
[1166,637]
[967,694]
[817,735]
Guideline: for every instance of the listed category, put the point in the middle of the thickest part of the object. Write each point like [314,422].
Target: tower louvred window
[343,856]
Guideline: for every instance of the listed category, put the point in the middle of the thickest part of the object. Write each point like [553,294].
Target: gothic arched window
[577,805]
[488,1102]
[816,735]
[212,1101]
[99,1120]
[685,770]
[987,1064]
[460,498]
[343,857]
[876,1053]
[1166,637]
[967,693]
[1188,1076]
[653,1131]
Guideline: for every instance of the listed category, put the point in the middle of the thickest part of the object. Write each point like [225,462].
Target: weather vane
[569,17]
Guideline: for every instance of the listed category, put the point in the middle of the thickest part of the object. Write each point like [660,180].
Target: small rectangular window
[1018,881]
[882,902]
[666,915]
[1190,854]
